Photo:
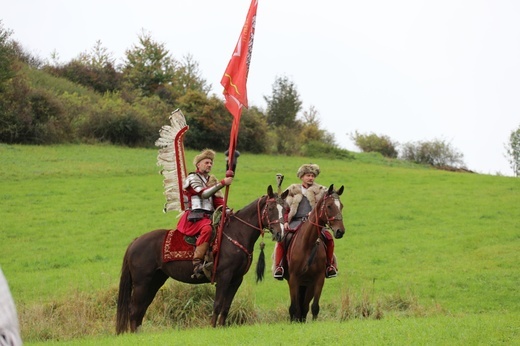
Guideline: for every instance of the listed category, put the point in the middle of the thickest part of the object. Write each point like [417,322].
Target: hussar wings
[172,159]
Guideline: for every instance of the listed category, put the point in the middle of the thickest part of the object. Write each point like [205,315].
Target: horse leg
[223,298]
[142,297]
[217,304]
[315,308]
[294,292]
[303,302]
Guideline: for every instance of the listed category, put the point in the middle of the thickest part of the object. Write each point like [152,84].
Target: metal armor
[198,183]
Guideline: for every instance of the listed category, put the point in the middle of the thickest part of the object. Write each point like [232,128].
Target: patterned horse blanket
[175,247]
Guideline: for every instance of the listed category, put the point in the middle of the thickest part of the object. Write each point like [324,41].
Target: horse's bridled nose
[339,234]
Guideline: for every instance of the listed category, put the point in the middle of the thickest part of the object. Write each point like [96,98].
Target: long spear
[234,82]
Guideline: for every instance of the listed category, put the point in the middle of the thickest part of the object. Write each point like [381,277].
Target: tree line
[92,99]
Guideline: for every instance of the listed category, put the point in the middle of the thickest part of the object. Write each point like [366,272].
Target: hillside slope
[452,240]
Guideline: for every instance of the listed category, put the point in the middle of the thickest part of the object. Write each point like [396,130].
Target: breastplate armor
[198,183]
[200,203]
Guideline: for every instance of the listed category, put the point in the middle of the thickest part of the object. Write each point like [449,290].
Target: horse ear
[270,191]
[331,189]
[340,191]
[284,194]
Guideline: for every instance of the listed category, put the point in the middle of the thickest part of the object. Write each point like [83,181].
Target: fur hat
[308,168]
[204,154]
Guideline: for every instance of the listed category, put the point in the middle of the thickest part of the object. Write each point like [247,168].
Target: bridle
[262,215]
[323,212]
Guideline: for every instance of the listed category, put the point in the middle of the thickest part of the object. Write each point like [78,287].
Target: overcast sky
[410,69]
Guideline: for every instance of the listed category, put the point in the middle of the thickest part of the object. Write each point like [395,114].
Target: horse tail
[124,296]
[260,265]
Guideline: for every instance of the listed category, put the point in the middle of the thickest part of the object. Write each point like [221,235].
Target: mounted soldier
[202,194]
[300,200]
[197,194]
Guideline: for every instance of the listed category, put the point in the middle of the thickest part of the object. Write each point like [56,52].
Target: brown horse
[144,272]
[306,255]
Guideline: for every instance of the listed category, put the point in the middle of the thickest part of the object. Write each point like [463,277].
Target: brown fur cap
[308,168]
[204,154]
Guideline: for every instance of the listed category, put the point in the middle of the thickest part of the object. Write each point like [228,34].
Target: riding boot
[198,260]
[279,254]
[331,270]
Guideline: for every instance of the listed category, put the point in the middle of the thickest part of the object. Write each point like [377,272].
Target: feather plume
[172,160]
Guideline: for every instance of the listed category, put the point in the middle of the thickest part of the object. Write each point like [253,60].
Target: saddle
[180,247]
[286,241]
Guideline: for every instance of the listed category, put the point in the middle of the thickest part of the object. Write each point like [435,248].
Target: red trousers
[202,227]
[279,253]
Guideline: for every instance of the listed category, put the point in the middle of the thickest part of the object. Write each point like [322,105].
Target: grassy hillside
[447,242]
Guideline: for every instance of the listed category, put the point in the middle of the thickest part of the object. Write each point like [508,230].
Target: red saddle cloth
[175,248]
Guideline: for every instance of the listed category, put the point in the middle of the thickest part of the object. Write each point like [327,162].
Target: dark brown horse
[306,255]
[143,271]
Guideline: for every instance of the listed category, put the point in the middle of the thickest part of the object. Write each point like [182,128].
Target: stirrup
[331,272]
[198,271]
[278,273]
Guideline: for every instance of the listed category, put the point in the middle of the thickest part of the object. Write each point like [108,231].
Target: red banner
[235,90]
[235,78]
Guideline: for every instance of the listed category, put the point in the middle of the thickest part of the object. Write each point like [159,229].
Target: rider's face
[308,179]
[205,165]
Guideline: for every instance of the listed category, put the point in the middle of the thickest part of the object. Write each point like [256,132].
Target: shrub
[118,123]
[101,79]
[435,153]
[321,150]
[375,143]
[513,151]
[252,136]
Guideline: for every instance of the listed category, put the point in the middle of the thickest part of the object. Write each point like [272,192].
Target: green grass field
[435,252]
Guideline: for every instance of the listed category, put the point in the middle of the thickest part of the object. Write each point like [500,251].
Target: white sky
[413,70]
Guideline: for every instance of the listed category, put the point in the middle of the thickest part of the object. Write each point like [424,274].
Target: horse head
[331,209]
[272,214]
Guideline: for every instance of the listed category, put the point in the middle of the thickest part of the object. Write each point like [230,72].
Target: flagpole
[234,82]
[229,173]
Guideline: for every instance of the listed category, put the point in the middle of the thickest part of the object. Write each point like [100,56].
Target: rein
[322,212]
[260,227]
[260,215]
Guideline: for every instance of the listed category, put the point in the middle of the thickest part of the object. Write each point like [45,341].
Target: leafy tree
[7,70]
[284,104]
[94,69]
[209,121]
[435,153]
[15,107]
[100,64]
[148,66]
[15,111]
[99,57]
[315,141]
[188,76]
[513,151]
[375,143]
[310,129]
[311,116]
[252,136]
